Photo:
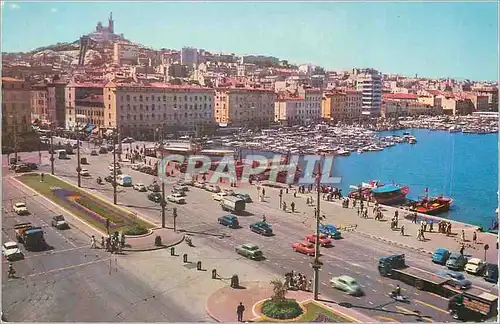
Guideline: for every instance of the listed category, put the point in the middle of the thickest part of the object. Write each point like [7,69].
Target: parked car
[21,168]
[109,179]
[177,198]
[140,187]
[103,150]
[219,196]
[179,187]
[84,173]
[323,239]
[261,228]
[155,197]
[440,256]
[127,140]
[11,251]
[347,284]
[59,222]
[249,250]
[229,221]
[475,266]
[229,192]
[154,187]
[304,247]
[457,279]
[199,184]
[20,208]
[180,193]
[32,166]
[212,188]
[491,273]
[330,231]
[456,261]
[94,153]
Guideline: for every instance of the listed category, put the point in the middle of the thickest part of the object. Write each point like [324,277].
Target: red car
[323,239]
[304,247]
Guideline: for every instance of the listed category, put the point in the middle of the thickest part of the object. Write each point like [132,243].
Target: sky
[448,39]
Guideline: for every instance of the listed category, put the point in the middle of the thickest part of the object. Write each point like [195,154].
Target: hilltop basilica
[102,33]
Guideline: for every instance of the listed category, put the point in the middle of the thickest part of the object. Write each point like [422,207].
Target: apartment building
[369,82]
[342,105]
[491,93]
[84,104]
[56,101]
[241,106]
[125,53]
[289,110]
[138,109]
[312,97]
[16,109]
[189,57]
[479,101]
[393,108]
[40,102]
[457,105]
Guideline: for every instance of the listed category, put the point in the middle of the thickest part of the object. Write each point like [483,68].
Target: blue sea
[461,166]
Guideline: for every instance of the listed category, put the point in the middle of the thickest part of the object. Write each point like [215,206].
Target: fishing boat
[383,194]
[432,206]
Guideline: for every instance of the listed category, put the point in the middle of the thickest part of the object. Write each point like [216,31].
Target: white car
[212,188]
[229,192]
[176,198]
[20,208]
[199,184]
[347,284]
[475,266]
[11,251]
[85,173]
[219,196]
[140,187]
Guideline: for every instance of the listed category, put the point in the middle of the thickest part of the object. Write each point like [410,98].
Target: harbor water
[461,166]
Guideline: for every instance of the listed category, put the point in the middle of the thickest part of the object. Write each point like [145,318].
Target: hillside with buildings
[107,81]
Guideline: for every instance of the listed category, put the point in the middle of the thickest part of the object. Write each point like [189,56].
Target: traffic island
[95,212]
[222,305]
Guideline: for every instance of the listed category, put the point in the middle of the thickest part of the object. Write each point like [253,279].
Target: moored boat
[432,206]
[383,194]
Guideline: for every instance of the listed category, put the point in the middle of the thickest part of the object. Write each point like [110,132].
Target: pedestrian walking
[92,242]
[239,311]
[292,205]
[462,236]
[430,226]
[103,242]
[462,248]
[41,177]
[474,237]
[295,193]
[263,192]
[402,230]
[415,217]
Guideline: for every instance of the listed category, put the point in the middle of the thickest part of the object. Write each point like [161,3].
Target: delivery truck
[233,204]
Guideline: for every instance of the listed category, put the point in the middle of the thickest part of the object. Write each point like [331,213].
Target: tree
[279,290]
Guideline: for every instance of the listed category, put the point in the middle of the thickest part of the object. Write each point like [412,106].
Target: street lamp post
[78,168]
[115,136]
[51,153]
[163,201]
[316,264]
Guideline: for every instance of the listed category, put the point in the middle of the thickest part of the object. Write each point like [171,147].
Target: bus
[124,180]
[61,154]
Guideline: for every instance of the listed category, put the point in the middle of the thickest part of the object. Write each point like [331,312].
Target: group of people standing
[112,243]
[297,281]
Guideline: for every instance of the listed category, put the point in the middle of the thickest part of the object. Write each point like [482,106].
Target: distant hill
[57,47]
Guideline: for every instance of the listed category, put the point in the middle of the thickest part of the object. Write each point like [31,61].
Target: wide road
[70,281]
[355,255]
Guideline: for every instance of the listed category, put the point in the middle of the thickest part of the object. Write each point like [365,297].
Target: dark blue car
[440,256]
[491,273]
[262,228]
[331,231]
[229,221]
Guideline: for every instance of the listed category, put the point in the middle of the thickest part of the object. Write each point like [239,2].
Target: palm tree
[279,290]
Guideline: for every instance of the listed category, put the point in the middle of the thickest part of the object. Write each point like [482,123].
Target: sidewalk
[347,218]
[221,305]
[147,242]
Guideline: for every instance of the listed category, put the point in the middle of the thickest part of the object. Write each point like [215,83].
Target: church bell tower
[111,26]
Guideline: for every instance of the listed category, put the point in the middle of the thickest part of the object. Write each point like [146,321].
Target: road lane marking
[430,306]
[367,276]
[386,319]
[378,280]
[436,295]
[68,268]
[374,290]
[369,302]
[411,312]
[358,272]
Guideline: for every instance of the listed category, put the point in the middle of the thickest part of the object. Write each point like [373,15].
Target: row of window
[174,106]
[165,98]
[165,116]
[90,112]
